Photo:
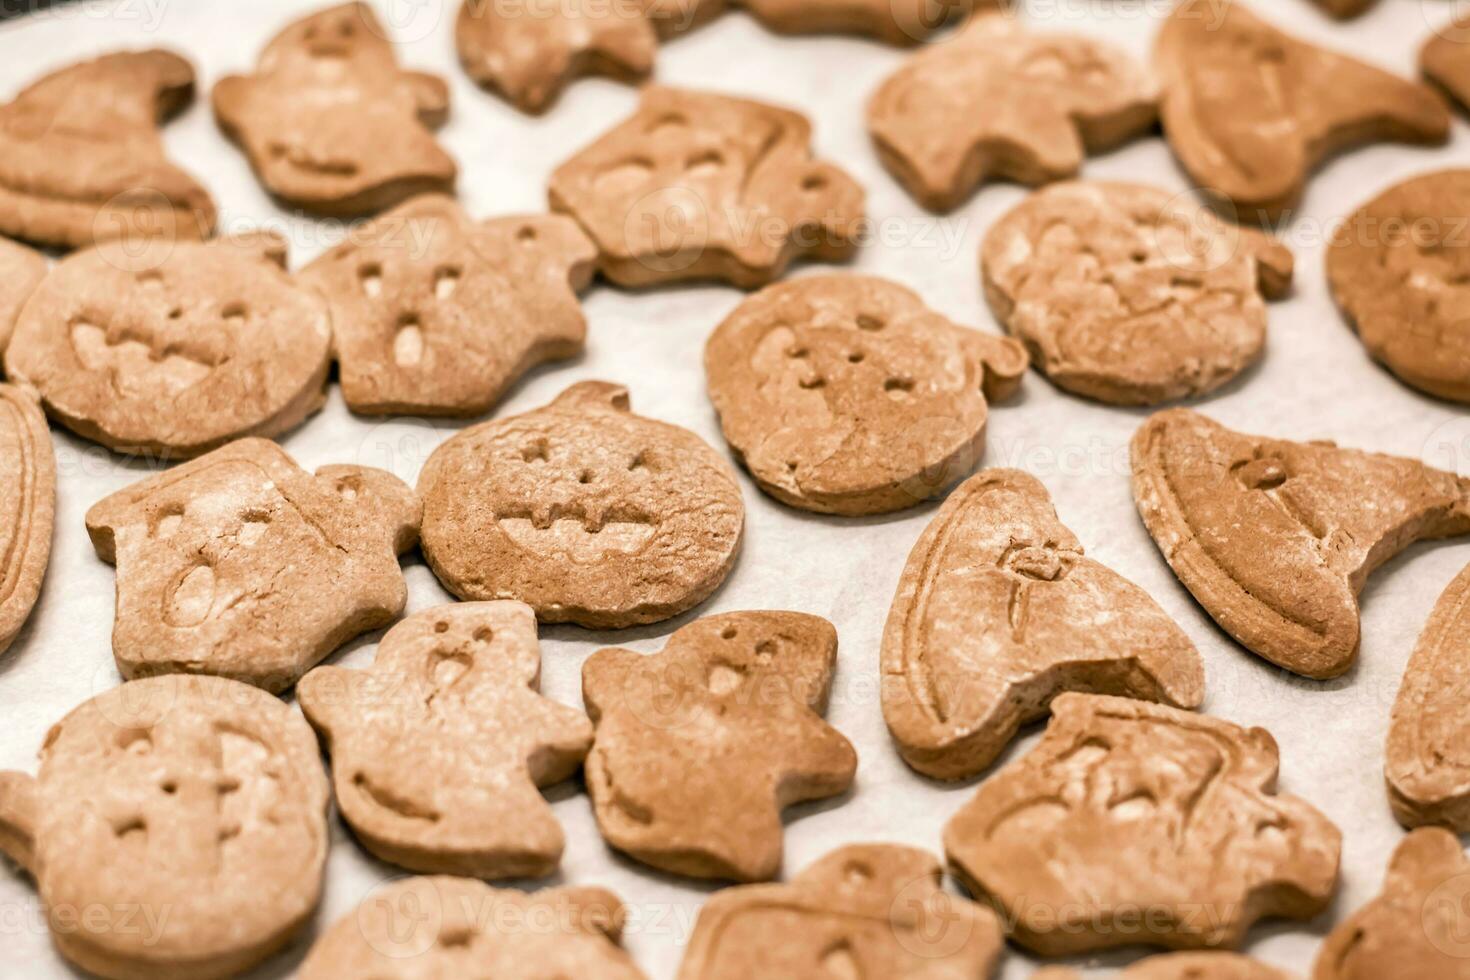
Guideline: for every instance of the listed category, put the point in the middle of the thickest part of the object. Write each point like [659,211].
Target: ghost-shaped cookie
[173,808]
[332,124]
[701,186]
[27,507]
[1276,539]
[242,564]
[81,159]
[701,746]
[438,749]
[21,271]
[1130,812]
[998,102]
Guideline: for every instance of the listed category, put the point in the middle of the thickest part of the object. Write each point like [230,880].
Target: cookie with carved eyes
[331,123]
[999,102]
[698,186]
[1131,295]
[865,910]
[81,159]
[242,564]
[28,503]
[21,271]
[1399,269]
[1251,111]
[1130,812]
[581,509]
[1183,966]
[173,349]
[173,804]
[847,395]
[1276,539]
[1444,59]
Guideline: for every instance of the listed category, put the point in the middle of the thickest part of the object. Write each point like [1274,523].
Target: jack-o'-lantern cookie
[191,809]
[21,271]
[1182,966]
[702,186]
[436,314]
[1128,812]
[81,159]
[174,349]
[847,395]
[242,564]
[1131,295]
[28,506]
[332,124]
[584,511]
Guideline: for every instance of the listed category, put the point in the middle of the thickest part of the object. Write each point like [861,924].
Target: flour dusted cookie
[438,749]
[21,271]
[581,509]
[1276,539]
[242,564]
[1445,59]
[997,102]
[1183,966]
[1128,819]
[188,813]
[436,314]
[332,124]
[997,612]
[1131,295]
[702,186]
[81,159]
[864,910]
[27,507]
[174,348]
[847,395]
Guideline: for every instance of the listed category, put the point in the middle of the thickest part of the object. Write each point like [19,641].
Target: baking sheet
[1316,382]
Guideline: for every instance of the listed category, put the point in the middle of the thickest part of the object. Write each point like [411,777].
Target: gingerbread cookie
[175,348]
[847,395]
[1250,111]
[242,564]
[1398,268]
[1183,966]
[420,928]
[587,512]
[81,159]
[435,314]
[438,750]
[1136,823]
[28,503]
[188,813]
[21,271]
[332,124]
[865,910]
[702,186]
[998,102]
[1129,294]
[999,611]
[1276,539]
[1445,61]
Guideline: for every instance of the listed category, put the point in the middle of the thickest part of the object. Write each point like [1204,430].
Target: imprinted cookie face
[182,799]
[176,348]
[438,750]
[847,395]
[1131,295]
[1133,809]
[702,186]
[996,102]
[699,748]
[81,159]
[583,510]
[27,507]
[435,314]
[242,564]
[997,612]
[21,271]
[332,124]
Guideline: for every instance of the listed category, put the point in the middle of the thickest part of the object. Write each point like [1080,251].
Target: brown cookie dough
[21,271]
[1276,539]
[332,124]
[195,807]
[1138,823]
[1129,294]
[1183,966]
[702,186]
[242,564]
[700,747]
[27,507]
[436,314]
[438,749]
[847,395]
[581,509]
[999,611]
